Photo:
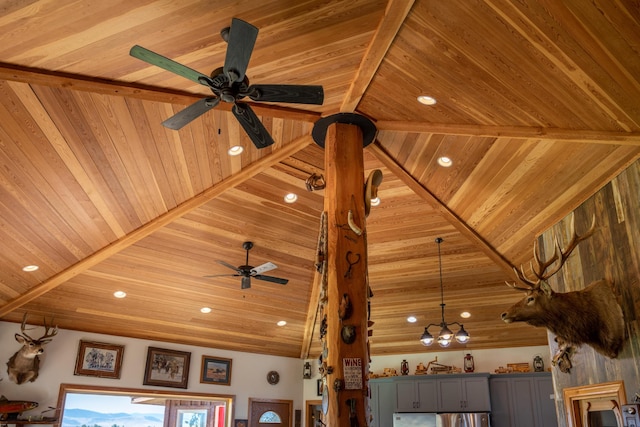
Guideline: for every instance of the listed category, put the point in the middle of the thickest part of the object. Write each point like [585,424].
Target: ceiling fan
[230,84]
[247,271]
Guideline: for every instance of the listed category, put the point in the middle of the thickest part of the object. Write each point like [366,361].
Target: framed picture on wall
[96,359]
[192,417]
[167,368]
[215,370]
[241,423]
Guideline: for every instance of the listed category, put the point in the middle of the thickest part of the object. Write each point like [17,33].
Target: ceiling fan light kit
[230,84]
[246,271]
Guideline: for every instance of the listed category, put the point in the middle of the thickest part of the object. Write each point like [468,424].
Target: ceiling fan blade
[222,275]
[246,282]
[242,38]
[267,266]
[226,264]
[190,113]
[252,125]
[168,64]
[297,94]
[272,279]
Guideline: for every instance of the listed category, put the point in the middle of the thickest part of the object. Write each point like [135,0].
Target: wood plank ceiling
[538,105]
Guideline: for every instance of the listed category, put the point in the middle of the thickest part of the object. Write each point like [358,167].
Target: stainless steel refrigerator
[407,419]
[476,419]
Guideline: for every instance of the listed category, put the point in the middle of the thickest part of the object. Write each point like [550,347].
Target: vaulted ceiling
[538,106]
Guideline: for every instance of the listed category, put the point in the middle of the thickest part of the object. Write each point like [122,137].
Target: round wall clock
[273,377]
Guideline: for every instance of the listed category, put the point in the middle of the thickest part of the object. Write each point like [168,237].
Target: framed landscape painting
[96,359]
[215,370]
[167,368]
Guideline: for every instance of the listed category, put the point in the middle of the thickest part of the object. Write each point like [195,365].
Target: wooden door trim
[260,400]
[308,405]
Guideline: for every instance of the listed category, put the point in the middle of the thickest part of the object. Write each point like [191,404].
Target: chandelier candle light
[445,336]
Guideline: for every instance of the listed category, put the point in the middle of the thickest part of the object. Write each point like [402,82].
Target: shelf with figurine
[387,372]
[11,413]
[45,420]
[433,367]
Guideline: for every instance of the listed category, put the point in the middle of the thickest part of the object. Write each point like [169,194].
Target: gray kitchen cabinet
[436,393]
[522,400]
[416,395]
[382,403]
[464,393]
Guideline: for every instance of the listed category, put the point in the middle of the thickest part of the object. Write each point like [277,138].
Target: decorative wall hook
[315,182]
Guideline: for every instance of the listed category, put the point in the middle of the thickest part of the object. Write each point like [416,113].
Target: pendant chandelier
[445,336]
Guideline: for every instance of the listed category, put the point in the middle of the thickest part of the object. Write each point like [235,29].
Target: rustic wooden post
[343,137]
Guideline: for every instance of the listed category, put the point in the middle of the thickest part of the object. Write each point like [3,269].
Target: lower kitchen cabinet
[522,400]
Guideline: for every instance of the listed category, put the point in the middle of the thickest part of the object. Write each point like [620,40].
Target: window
[108,407]
[270,417]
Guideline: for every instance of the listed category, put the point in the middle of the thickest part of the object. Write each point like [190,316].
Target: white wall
[248,376]
[248,371]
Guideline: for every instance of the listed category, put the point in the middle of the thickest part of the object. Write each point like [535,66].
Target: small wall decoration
[215,370]
[167,368]
[241,423]
[96,359]
[273,377]
[319,388]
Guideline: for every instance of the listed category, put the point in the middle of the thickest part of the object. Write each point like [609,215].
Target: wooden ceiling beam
[57,79]
[390,163]
[394,16]
[135,236]
[517,132]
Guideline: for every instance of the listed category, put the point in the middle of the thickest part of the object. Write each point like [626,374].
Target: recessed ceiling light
[375,201]
[290,198]
[236,150]
[426,100]
[30,268]
[119,294]
[465,314]
[445,161]
[281,323]
[412,319]
[205,310]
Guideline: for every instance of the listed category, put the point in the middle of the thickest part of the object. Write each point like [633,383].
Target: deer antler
[49,333]
[23,327]
[561,255]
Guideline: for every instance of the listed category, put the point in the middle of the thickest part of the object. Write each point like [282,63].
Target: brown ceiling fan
[229,83]
[247,271]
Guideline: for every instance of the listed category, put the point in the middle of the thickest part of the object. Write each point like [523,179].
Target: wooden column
[346,277]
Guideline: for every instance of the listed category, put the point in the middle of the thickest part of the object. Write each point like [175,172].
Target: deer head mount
[589,316]
[24,365]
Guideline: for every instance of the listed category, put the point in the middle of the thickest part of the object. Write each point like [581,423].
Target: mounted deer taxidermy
[25,363]
[589,316]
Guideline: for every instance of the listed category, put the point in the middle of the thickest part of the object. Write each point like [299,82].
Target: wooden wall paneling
[612,252]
